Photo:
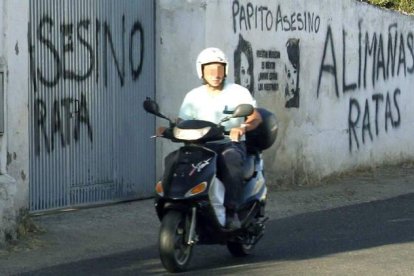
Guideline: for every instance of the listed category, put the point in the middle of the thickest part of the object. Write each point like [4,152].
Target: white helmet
[210,55]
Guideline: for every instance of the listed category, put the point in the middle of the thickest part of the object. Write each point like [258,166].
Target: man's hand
[236,133]
[160,131]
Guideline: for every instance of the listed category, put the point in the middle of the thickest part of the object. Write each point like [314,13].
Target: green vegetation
[406,6]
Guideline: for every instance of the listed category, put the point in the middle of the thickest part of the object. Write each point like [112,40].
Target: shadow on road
[343,229]
[135,262]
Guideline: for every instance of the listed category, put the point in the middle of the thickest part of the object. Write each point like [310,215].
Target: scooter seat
[248,167]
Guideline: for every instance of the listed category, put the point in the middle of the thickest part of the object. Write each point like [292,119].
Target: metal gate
[92,63]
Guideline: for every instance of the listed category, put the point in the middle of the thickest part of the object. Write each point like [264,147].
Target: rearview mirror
[243,110]
[151,106]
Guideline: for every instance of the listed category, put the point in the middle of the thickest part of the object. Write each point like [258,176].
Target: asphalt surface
[103,237]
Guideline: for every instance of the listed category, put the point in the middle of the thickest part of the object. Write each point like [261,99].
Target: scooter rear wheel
[175,253]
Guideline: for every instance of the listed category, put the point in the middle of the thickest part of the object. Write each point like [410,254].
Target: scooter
[189,197]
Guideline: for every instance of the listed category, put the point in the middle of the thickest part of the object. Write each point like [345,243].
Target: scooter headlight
[197,189]
[190,134]
[159,189]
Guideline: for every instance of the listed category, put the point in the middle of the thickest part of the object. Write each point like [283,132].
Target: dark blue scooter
[189,197]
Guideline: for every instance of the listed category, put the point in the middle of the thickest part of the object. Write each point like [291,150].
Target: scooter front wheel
[239,249]
[175,253]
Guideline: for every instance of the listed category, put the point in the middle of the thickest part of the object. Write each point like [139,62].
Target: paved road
[375,238]
[358,224]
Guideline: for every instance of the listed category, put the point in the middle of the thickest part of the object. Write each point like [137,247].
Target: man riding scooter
[212,101]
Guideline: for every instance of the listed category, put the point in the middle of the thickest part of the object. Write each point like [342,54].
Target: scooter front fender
[162,206]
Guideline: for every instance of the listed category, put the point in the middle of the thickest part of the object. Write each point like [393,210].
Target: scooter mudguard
[255,189]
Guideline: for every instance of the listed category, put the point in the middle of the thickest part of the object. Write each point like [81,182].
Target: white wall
[180,34]
[14,142]
[322,134]
[3,19]
[17,115]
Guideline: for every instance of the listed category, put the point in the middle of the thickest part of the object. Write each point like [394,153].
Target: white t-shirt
[199,104]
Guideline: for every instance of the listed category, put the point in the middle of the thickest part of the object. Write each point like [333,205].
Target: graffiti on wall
[56,124]
[252,17]
[273,73]
[244,64]
[267,71]
[292,73]
[382,57]
[88,40]
[53,47]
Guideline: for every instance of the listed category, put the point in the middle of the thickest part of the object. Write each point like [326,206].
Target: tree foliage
[406,6]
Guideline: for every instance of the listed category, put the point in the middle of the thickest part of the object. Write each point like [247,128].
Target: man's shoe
[233,222]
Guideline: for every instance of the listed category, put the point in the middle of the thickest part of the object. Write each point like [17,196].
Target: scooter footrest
[261,211]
